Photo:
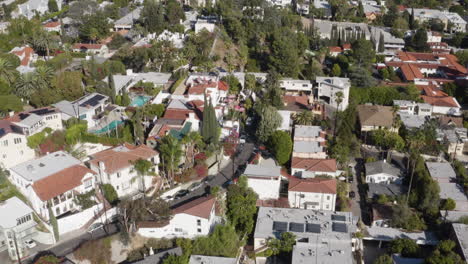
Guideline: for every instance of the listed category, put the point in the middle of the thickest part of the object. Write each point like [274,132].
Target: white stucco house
[95,49]
[316,194]
[382,172]
[32,7]
[53,180]
[293,87]
[16,225]
[195,218]
[328,88]
[13,145]
[265,180]
[35,121]
[115,166]
[86,108]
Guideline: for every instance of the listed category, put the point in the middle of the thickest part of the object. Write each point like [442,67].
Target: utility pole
[16,248]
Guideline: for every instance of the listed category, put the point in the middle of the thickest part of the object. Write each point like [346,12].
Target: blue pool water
[140,100]
[111,126]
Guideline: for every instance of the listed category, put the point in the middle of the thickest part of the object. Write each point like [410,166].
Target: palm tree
[43,40]
[193,141]
[170,153]
[304,118]
[415,142]
[26,85]
[7,71]
[142,168]
[44,75]
[93,34]
[338,100]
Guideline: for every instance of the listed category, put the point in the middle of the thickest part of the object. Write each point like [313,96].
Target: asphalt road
[66,247]
[222,178]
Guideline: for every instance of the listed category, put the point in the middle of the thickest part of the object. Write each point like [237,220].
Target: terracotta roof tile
[87,46]
[315,185]
[335,49]
[52,24]
[200,207]
[375,115]
[116,159]
[322,165]
[60,182]
[445,101]
[25,54]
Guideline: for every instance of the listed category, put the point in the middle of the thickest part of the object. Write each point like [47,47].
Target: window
[17,140]
[328,197]
[88,183]
[5,143]
[179,230]
[4,156]
[118,174]
[198,222]
[199,230]
[328,207]
[301,195]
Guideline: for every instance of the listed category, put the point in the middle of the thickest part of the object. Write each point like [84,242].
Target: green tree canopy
[281,145]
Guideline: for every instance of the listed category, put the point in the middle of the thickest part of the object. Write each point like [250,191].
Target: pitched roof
[375,115]
[52,24]
[60,182]
[87,46]
[120,157]
[382,167]
[200,207]
[315,185]
[448,120]
[411,72]
[444,101]
[7,127]
[11,210]
[321,165]
[335,49]
[24,53]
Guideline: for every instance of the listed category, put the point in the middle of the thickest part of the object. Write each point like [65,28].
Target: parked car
[30,243]
[168,198]
[352,194]
[242,139]
[181,194]
[195,186]
[95,227]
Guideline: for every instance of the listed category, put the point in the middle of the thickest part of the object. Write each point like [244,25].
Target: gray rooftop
[382,166]
[307,147]
[29,121]
[325,26]
[45,166]
[398,259]
[11,210]
[388,37]
[456,193]
[453,216]
[78,107]
[391,189]
[124,81]
[129,18]
[337,82]
[160,256]
[304,223]
[324,251]
[307,131]
[262,171]
[461,232]
[412,121]
[199,259]
[441,170]
[389,234]
[177,104]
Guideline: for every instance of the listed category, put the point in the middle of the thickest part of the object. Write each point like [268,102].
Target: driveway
[244,152]
[359,205]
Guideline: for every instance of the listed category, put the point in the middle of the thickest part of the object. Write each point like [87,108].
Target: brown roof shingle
[315,185]
[322,165]
[200,207]
[375,115]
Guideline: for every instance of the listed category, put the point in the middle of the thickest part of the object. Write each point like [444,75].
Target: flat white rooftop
[11,210]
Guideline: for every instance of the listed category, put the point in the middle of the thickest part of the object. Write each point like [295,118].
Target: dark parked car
[352,194]
[181,194]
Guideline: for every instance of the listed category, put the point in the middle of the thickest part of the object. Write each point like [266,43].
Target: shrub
[109,193]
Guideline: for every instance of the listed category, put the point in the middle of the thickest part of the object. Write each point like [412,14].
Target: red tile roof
[315,185]
[321,165]
[87,46]
[445,101]
[7,127]
[201,88]
[25,54]
[411,72]
[52,24]
[179,114]
[116,160]
[60,182]
[346,46]
[223,86]
[335,49]
[200,207]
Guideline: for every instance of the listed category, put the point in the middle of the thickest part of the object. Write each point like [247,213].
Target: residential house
[322,236]
[53,26]
[381,215]
[265,180]
[382,172]
[316,193]
[295,87]
[375,117]
[443,173]
[204,24]
[309,142]
[455,138]
[85,108]
[413,121]
[280,3]
[53,181]
[390,190]
[27,57]
[434,37]
[123,83]
[391,44]
[460,236]
[453,22]
[328,88]
[334,51]
[325,29]
[324,6]
[285,120]
[95,49]
[195,218]
[303,8]
[16,226]
[115,166]
[126,22]
[413,108]
[35,121]
[14,145]
[310,168]
[309,133]
[199,259]
[199,3]
[31,8]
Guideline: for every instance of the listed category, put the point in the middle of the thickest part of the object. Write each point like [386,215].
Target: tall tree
[52,5]
[171,152]
[210,125]
[381,47]
[241,207]
[143,168]
[270,120]
[152,16]
[281,146]
[363,52]
[7,71]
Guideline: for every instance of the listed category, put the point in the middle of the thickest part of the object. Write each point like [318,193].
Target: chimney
[129,71]
[11,113]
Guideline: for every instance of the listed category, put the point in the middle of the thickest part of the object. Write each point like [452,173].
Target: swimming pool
[140,100]
[111,126]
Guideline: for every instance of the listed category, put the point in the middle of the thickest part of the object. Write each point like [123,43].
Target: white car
[30,243]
